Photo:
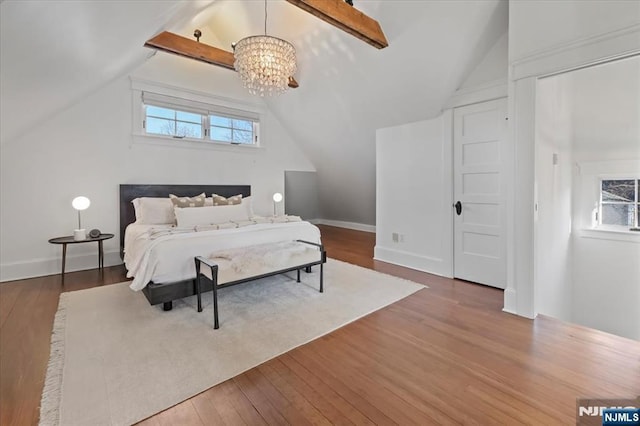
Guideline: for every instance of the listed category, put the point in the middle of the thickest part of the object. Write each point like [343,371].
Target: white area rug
[116,360]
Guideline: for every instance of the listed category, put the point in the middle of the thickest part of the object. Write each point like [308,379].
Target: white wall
[547,37]
[606,122]
[537,26]
[607,291]
[488,80]
[87,150]
[493,68]
[413,195]
[606,275]
[554,136]
[591,118]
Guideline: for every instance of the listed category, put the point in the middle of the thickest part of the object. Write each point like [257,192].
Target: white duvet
[157,253]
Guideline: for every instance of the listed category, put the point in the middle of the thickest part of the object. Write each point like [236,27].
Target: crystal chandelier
[265,63]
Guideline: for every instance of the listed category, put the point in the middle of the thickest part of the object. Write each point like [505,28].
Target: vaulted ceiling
[53,53]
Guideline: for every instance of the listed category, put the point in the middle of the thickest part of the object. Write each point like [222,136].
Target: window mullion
[636,205]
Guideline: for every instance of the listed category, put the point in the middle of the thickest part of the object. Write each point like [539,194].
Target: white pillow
[209,215]
[246,202]
[153,211]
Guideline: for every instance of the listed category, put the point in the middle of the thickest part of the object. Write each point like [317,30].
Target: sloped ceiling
[349,89]
[54,53]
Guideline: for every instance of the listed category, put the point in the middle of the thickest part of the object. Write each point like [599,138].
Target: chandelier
[265,63]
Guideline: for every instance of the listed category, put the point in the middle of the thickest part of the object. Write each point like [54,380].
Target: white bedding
[164,254]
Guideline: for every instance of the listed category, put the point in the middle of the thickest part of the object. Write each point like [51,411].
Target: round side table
[69,240]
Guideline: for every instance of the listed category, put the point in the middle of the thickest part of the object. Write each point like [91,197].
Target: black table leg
[64,260]
[100,256]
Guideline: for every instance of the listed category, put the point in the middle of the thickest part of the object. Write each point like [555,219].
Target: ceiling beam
[185,47]
[178,45]
[347,18]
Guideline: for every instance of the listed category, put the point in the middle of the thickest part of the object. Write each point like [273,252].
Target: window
[177,118]
[227,129]
[172,122]
[619,202]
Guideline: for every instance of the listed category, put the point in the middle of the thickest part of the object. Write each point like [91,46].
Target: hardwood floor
[445,355]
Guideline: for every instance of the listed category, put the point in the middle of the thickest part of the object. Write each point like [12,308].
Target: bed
[163,268]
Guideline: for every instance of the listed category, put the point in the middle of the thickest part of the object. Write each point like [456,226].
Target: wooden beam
[173,43]
[185,47]
[347,18]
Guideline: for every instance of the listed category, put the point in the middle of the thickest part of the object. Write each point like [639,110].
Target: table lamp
[277,197]
[80,203]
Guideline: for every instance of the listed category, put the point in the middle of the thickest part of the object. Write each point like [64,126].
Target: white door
[479,137]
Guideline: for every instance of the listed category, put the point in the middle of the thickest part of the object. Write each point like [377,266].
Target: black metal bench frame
[199,260]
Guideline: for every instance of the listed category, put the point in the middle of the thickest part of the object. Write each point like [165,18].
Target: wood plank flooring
[446,355]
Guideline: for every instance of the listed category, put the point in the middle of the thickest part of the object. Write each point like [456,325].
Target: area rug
[116,360]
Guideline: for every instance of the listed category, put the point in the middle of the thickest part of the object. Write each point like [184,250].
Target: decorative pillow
[219,200]
[153,211]
[210,215]
[246,202]
[197,201]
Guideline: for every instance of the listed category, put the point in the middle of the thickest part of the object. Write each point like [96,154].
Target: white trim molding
[510,301]
[422,263]
[489,91]
[52,266]
[519,296]
[579,53]
[611,235]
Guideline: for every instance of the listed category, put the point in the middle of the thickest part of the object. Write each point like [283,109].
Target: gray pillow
[219,200]
[197,201]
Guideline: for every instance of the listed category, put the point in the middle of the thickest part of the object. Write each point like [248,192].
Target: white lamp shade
[277,197]
[81,203]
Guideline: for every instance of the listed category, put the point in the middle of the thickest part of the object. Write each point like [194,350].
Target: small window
[619,203]
[172,117]
[173,122]
[232,130]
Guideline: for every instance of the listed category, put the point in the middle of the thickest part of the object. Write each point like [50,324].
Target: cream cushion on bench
[245,262]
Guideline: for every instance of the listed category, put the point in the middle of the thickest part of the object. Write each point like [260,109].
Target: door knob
[458,207]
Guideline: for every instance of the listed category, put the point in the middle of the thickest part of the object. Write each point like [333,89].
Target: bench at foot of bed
[215,277]
[165,294]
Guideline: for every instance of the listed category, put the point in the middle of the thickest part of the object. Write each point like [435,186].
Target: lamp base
[79,234]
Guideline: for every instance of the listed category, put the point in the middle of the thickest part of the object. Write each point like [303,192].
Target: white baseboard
[51,266]
[510,301]
[341,224]
[428,264]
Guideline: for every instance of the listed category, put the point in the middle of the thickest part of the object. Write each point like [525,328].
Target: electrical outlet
[395,237]
[401,238]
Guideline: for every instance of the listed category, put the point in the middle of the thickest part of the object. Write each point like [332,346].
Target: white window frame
[634,203]
[158,94]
